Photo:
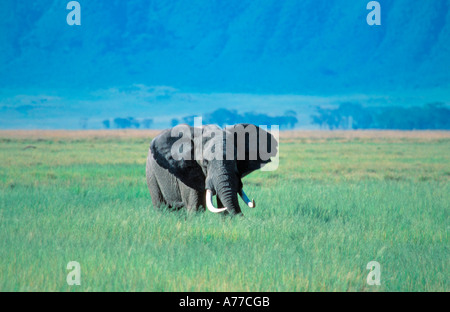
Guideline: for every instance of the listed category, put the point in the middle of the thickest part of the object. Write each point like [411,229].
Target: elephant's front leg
[192,199]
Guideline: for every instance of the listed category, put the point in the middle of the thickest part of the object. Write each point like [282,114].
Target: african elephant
[186,166]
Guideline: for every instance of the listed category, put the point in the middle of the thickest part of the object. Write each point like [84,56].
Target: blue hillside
[268,47]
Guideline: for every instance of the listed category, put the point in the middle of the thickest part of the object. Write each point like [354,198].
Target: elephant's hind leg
[157,197]
[153,186]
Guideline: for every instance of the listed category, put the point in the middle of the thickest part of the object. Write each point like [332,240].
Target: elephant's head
[215,159]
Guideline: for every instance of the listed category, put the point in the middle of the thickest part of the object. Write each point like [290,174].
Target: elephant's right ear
[173,150]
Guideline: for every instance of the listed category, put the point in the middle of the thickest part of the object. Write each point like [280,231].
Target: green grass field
[337,202]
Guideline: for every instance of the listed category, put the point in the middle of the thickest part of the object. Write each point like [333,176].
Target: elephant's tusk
[244,196]
[210,205]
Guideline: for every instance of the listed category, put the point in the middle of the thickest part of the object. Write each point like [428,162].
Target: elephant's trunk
[227,190]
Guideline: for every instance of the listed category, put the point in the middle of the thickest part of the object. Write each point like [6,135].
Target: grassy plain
[337,201]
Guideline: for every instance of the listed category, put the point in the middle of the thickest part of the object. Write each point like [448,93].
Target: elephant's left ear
[173,150]
[253,145]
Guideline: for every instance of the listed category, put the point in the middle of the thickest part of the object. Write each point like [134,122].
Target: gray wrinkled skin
[182,183]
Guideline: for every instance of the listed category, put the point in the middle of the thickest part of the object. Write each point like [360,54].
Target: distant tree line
[127,123]
[432,116]
[223,117]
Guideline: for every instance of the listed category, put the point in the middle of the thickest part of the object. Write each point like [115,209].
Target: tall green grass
[329,209]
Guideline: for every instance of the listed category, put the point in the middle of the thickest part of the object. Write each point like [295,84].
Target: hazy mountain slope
[270,46]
